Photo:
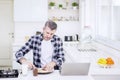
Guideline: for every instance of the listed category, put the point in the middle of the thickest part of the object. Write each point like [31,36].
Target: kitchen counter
[52,76]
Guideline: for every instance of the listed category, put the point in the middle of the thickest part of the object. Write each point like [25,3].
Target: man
[47,49]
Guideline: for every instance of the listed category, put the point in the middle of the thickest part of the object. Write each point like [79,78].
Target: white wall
[87,18]
[23,29]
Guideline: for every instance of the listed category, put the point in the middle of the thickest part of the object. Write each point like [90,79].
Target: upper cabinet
[30,10]
[63,10]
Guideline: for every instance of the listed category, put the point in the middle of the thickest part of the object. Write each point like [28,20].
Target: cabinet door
[6,30]
[30,10]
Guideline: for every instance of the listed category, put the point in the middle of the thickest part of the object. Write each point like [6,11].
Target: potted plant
[74,5]
[52,5]
[60,6]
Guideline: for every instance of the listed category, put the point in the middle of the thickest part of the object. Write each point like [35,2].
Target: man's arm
[25,49]
[59,57]
[25,61]
[50,66]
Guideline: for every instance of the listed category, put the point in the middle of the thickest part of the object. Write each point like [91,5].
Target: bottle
[35,72]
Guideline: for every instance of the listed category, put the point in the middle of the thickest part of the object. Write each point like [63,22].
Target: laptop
[75,69]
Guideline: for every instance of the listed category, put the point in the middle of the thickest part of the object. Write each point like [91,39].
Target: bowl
[105,65]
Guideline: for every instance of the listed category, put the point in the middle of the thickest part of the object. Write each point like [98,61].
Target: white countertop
[86,55]
[52,76]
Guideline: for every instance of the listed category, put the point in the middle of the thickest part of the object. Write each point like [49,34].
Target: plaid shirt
[35,42]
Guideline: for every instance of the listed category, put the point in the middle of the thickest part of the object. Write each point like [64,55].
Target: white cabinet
[30,10]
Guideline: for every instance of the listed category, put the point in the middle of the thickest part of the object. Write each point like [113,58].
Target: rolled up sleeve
[25,49]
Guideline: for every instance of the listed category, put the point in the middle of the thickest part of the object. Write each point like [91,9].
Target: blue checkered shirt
[34,43]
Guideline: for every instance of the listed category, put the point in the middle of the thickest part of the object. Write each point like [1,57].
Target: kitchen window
[107,23]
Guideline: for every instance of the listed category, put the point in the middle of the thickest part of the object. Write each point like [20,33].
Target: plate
[41,71]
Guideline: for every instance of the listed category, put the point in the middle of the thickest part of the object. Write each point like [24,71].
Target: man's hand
[24,61]
[49,66]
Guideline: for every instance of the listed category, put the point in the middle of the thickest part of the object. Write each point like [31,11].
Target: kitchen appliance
[68,38]
[9,73]
[72,38]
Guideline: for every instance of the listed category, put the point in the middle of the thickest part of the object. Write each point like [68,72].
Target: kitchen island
[81,53]
[91,52]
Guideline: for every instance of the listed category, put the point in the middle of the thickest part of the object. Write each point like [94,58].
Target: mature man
[47,49]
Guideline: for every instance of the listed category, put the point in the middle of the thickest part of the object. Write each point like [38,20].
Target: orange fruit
[109,61]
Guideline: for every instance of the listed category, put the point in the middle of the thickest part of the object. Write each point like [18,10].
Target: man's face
[48,33]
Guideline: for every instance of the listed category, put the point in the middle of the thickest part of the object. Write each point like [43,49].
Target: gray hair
[51,24]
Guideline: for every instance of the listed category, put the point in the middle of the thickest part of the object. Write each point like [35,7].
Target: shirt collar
[52,40]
